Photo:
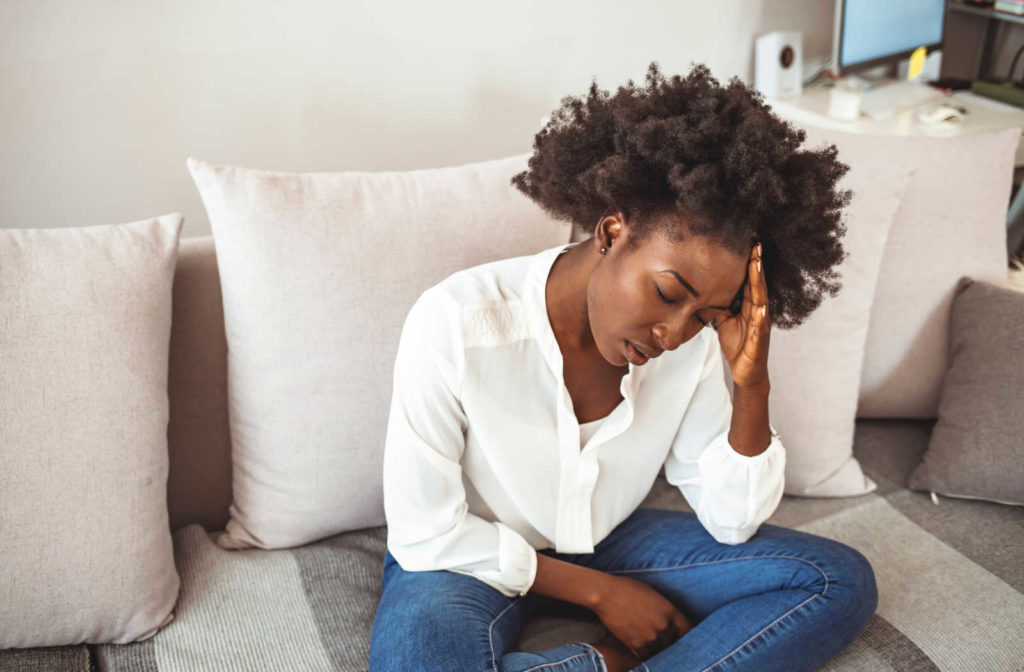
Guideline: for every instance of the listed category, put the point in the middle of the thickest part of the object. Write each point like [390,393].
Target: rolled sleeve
[429,524]
[730,493]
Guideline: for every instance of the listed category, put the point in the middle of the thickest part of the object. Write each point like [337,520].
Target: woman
[536,398]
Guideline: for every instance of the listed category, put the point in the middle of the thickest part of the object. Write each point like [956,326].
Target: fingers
[755,293]
[682,624]
[758,286]
[677,627]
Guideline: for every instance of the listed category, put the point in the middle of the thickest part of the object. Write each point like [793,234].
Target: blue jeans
[783,600]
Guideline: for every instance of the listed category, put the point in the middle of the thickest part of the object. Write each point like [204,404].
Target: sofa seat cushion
[941,569]
[73,658]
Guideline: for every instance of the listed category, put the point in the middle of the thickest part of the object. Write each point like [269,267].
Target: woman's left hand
[744,337]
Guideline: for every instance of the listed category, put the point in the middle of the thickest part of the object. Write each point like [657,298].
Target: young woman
[536,398]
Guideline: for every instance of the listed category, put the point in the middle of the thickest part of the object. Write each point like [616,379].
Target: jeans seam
[490,633]
[759,633]
[715,562]
[558,662]
[602,664]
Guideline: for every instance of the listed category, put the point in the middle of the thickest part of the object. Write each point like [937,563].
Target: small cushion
[976,450]
[317,272]
[951,223]
[85,320]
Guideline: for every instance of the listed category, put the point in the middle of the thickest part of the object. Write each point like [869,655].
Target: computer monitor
[872,33]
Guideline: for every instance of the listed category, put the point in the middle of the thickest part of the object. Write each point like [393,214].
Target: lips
[634,355]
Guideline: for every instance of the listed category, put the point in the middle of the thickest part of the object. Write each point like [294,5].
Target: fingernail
[764,310]
[759,264]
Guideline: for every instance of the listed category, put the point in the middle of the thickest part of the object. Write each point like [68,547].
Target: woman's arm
[430,526]
[636,614]
[568,582]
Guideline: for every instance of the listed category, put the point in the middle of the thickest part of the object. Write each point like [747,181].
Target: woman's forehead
[699,264]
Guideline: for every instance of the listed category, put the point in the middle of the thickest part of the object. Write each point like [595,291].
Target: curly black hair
[718,157]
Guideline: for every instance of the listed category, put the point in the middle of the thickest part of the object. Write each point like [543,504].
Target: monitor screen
[872,31]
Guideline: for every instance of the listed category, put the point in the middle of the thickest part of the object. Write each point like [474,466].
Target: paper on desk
[916,63]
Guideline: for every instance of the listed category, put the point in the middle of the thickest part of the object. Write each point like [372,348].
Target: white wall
[101,101]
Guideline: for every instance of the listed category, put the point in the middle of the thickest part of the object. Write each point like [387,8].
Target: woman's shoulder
[488,282]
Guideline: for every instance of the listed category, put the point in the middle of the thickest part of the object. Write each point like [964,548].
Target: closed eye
[695,316]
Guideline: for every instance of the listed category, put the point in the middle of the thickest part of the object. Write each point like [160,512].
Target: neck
[566,295]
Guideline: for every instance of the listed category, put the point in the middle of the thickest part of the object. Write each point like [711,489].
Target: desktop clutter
[932,107]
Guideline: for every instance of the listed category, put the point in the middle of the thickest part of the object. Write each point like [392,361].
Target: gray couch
[950,571]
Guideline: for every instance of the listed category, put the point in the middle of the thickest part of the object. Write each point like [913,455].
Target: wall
[102,101]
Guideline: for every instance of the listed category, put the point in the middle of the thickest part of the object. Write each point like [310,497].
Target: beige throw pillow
[951,223]
[85,320]
[815,368]
[318,271]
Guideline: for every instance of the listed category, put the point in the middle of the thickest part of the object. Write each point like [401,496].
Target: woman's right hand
[639,616]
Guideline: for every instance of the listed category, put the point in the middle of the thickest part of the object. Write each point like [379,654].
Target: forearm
[749,433]
[568,582]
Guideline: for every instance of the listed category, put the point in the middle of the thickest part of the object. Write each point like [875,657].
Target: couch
[950,570]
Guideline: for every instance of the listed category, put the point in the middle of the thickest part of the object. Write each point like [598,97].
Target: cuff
[517,559]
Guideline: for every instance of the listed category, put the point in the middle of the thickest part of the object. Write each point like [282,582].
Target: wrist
[762,389]
[600,587]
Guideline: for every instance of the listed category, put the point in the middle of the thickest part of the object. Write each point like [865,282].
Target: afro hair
[718,157]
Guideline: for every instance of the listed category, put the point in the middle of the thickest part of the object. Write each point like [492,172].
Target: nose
[671,335]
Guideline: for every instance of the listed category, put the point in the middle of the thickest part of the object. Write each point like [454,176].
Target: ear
[610,228]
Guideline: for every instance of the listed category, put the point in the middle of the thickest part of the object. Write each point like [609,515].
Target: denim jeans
[783,600]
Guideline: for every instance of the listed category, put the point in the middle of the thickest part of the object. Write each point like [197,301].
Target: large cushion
[815,368]
[317,272]
[85,319]
[951,223]
[976,450]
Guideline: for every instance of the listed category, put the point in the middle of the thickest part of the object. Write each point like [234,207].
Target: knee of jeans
[856,577]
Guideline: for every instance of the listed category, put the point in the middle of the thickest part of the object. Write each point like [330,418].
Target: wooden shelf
[985,12]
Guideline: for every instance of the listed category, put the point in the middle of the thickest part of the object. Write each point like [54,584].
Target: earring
[603,250]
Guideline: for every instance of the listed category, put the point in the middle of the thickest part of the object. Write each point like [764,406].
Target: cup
[844,100]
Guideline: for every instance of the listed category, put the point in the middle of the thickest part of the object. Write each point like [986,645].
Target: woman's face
[655,297]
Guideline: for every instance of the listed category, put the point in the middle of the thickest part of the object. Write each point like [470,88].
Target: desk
[983,114]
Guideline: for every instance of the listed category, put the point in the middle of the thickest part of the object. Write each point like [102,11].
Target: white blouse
[485,461]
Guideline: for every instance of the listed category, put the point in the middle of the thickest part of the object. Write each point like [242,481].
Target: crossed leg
[784,600]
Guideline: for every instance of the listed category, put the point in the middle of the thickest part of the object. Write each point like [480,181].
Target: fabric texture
[815,368]
[85,319]
[482,458]
[742,600]
[977,448]
[951,223]
[198,439]
[950,584]
[313,304]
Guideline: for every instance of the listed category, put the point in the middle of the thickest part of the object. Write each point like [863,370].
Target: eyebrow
[688,286]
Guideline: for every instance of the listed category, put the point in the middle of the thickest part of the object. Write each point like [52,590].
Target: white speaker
[778,64]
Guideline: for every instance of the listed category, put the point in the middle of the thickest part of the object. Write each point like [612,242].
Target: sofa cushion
[317,272]
[977,448]
[85,319]
[64,658]
[815,368]
[951,223]
[198,438]
[941,569]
